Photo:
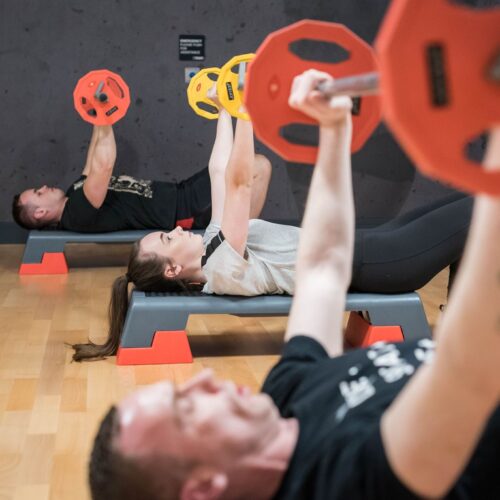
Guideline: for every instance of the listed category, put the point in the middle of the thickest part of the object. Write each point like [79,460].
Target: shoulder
[210,232]
[299,356]
[77,198]
[226,272]
[78,212]
[76,185]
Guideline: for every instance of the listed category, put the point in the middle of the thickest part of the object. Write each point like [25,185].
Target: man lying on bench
[239,255]
[100,202]
[391,421]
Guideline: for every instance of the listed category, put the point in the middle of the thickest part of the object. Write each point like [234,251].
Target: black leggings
[194,200]
[405,253]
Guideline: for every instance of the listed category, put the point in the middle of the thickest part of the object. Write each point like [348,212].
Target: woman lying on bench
[242,256]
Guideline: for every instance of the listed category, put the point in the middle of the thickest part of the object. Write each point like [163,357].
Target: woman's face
[179,246]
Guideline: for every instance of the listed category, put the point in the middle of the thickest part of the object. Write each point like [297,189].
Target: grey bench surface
[150,312]
[47,241]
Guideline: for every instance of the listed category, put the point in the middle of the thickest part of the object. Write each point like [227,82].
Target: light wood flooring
[50,407]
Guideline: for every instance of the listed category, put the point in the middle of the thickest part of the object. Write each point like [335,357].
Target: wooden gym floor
[50,407]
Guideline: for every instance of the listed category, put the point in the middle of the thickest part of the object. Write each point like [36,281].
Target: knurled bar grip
[352,86]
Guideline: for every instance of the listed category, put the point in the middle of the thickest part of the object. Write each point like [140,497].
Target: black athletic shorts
[194,201]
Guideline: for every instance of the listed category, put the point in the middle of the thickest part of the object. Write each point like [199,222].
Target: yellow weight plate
[230,85]
[197,93]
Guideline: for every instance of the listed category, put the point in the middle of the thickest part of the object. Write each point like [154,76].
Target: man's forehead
[25,196]
[142,413]
[147,400]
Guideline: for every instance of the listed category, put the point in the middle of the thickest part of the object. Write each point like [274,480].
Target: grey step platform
[43,253]
[149,313]
[40,242]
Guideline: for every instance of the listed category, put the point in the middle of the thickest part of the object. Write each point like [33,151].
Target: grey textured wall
[45,46]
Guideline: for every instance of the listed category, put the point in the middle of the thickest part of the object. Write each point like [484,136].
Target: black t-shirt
[129,204]
[338,403]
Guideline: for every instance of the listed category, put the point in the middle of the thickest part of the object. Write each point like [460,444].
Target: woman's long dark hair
[147,273]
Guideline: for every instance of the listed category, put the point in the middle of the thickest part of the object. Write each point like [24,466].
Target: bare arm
[239,177]
[218,162]
[447,404]
[90,151]
[324,261]
[101,166]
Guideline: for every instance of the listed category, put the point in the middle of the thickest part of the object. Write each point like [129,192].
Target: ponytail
[117,313]
[146,271]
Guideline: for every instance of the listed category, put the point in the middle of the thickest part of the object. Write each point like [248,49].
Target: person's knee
[262,168]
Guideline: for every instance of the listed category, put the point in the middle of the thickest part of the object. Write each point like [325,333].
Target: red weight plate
[273,69]
[115,87]
[434,59]
[90,108]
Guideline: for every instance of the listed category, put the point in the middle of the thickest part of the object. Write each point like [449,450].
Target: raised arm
[218,161]
[90,151]
[431,430]
[324,261]
[239,177]
[101,166]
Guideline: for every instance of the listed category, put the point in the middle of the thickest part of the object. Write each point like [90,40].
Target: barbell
[435,68]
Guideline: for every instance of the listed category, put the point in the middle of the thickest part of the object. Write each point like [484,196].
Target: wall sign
[191,47]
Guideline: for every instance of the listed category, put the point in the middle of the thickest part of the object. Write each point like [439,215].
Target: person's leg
[194,202]
[261,178]
[405,255]
[421,211]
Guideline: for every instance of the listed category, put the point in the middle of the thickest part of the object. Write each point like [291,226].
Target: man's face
[203,420]
[43,197]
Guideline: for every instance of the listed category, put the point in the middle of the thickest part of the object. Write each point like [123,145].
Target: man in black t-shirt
[100,202]
[392,421]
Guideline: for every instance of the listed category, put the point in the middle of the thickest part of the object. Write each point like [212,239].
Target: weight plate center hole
[475,148]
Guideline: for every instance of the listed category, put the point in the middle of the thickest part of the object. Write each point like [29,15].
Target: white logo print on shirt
[390,367]
[425,351]
[387,356]
[125,184]
[354,392]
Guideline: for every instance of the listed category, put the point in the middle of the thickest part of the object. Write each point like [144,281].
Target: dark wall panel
[46,46]
[385,181]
